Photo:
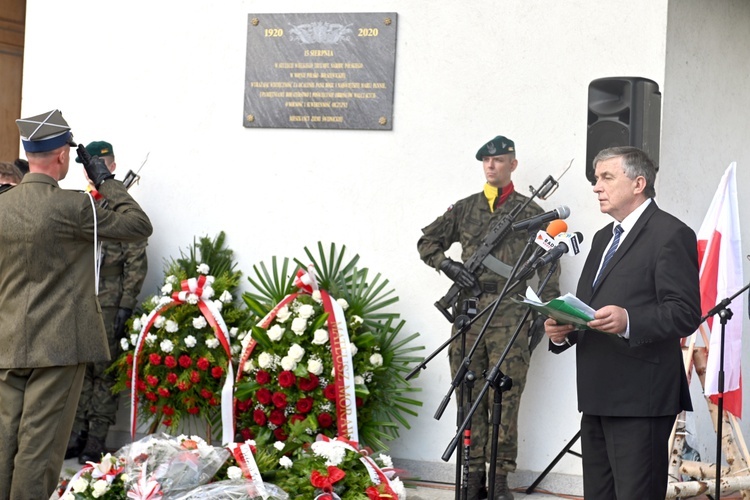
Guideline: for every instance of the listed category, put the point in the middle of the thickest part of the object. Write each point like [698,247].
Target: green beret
[498,146]
[99,148]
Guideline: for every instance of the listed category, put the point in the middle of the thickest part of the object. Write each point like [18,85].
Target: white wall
[705,128]
[167,78]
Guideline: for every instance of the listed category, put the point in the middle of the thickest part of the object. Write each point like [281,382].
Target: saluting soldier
[52,321]
[467,222]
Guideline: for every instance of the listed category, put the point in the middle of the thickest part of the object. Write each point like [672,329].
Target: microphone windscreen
[563,211]
[556,227]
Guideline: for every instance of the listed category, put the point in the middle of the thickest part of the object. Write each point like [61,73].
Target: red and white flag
[719,254]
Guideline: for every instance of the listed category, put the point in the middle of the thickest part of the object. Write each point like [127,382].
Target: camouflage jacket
[467,222]
[121,274]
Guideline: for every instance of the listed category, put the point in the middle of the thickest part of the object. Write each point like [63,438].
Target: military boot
[502,491]
[475,489]
[93,451]
[76,444]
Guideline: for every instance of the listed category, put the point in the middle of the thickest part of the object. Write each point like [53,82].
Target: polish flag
[719,254]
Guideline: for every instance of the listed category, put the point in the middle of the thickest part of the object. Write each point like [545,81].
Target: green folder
[566,309]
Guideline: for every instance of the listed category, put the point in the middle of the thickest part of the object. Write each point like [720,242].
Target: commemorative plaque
[329,71]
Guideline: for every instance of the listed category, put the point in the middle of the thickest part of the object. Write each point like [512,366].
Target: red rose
[183,386]
[167,422]
[151,380]
[262,377]
[151,396]
[153,408]
[330,392]
[194,410]
[203,364]
[140,385]
[154,359]
[296,418]
[195,377]
[325,420]
[279,399]
[163,392]
[172,378]
[280,434]
[243,406]
[308,384]
[263,396]
[217,372]
[170,362]
[167,410]
[185,361]
[277,417]
[287,379]
[130,374]
[206,393]
[359,401]
[246,434]
[129,359]
[259,417]
[213,402]
[304,405]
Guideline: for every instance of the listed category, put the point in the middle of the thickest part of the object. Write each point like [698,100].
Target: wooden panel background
[12,24]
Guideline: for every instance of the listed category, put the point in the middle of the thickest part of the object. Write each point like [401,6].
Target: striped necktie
[610,252]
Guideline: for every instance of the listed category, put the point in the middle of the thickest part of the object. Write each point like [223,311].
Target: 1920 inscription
[320,71]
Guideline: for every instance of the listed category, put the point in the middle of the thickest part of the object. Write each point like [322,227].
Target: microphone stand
[725,314]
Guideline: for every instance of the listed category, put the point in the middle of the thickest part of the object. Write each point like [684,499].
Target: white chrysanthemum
[171,279]
[171,326]
[218,305]
[80,485]
[161,301]
[275,333]
[279,445]
[248,367]
[212,343]
[296,352]
[166,289]
[124,477]
[359,380]
[137,325]
[226,297]
[343,303]
[376,359]
[69,496]
[234,472]
[386,461]
[233,331]
[356,320]
[316,296]
[235,349]
[203,268]
[124,344]
[159,321]
[208,292]
[99,488]
[299,325]
[133,339]
[288,363]
[305,311]
[285,462]
[320,337]
[314,366]
[333,451]
[166,345]
[190,341]
[265,360]
[199,322]
[192,299]
[353,348]
[150,339]
[283,314]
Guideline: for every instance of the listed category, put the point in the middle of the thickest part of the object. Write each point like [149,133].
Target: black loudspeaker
[623,111]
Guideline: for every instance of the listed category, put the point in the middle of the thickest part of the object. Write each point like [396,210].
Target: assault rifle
[133,177]
[494,236]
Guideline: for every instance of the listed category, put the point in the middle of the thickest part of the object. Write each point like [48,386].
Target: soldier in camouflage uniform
[467,222]
[122,270]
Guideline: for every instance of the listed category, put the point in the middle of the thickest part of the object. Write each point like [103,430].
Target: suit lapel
[627,244]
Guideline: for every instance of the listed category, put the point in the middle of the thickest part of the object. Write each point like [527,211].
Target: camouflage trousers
[97,407]
[515,365]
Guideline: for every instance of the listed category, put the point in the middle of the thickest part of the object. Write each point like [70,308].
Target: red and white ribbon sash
[243,454]
[192,287]
[377,475]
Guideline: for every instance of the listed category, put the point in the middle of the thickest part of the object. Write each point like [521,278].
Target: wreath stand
[733,477]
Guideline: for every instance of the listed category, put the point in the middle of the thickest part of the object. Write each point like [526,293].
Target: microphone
[532,223]
[545,241]
[566,242]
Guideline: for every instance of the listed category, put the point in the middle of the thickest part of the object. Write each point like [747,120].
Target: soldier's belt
[111,271]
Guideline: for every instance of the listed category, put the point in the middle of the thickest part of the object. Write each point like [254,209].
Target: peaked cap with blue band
[45,132]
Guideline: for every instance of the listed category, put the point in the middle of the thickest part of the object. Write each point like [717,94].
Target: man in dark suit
[641,277]
[51,319]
